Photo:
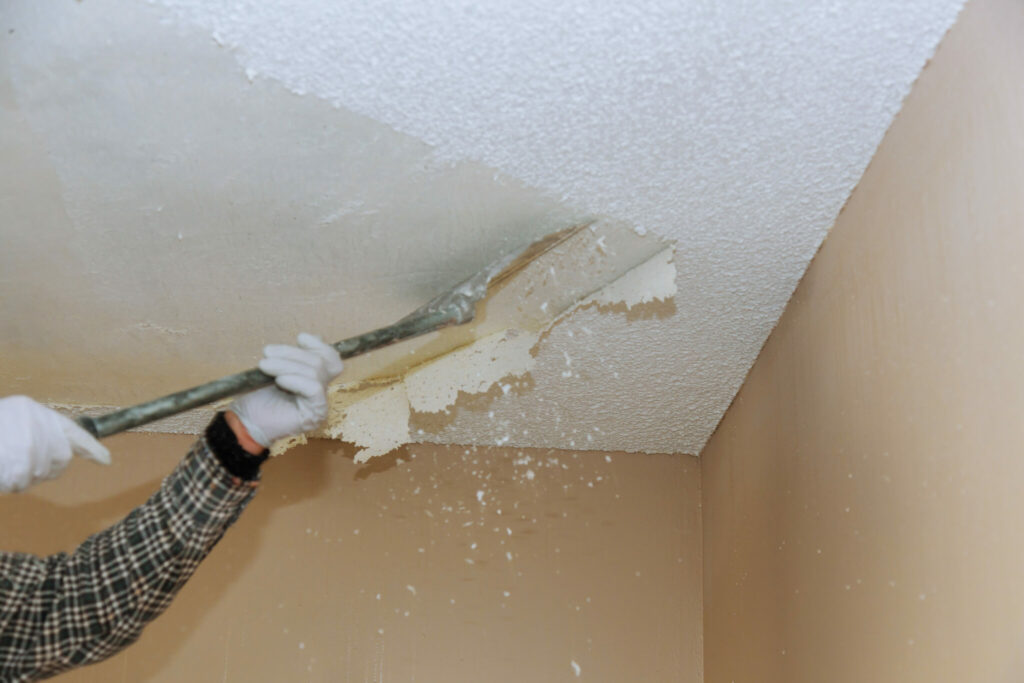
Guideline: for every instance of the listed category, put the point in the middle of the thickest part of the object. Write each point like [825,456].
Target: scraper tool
[456,306]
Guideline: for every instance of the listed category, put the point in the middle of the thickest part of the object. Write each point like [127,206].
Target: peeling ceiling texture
[182,181]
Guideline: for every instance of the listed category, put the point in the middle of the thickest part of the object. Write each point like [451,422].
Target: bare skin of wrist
[248,444]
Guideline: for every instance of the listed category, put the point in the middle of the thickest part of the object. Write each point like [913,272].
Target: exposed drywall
[862,497]
[397,572]
[410,378]
[187,206]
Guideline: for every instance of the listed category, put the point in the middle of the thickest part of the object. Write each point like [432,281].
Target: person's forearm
[67,610]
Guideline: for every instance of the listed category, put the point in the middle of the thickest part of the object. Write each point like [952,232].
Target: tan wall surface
[864,496]
[605,567]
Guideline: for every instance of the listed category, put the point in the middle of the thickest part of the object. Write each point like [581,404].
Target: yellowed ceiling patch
[376,418]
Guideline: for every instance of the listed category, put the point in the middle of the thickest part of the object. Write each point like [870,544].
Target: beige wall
[606,575]
[864,496]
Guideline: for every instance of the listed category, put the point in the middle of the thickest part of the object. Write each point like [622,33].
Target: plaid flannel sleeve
[67,610]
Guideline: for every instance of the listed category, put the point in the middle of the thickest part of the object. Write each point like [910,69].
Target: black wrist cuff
[235,459]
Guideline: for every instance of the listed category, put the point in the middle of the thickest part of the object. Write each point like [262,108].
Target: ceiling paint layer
[168,217]
[195,206]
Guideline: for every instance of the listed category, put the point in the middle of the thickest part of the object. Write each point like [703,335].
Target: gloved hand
[37,443]
[298,401]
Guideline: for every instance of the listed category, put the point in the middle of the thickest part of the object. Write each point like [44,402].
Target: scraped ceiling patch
[472,369]
[376,418]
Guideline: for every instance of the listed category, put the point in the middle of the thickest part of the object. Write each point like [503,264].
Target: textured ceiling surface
[182,181]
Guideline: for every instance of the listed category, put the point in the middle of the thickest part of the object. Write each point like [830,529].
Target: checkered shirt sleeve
[66,610]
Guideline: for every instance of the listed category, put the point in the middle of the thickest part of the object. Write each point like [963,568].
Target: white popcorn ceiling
[737,130]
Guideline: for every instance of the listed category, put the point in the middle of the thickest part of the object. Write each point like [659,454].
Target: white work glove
[298,402]
[37,443]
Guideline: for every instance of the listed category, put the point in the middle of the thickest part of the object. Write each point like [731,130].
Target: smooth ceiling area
[184,181]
